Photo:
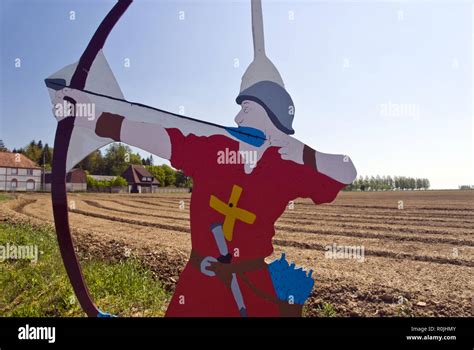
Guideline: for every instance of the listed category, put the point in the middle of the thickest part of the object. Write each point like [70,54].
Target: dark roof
[76,176]
[16,160]
[138,174]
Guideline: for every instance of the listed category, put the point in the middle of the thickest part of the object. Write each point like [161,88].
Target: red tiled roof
[16,160]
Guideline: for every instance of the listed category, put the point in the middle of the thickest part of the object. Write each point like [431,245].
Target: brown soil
[418,261]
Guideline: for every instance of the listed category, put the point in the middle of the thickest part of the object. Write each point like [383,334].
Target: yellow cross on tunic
[231,212]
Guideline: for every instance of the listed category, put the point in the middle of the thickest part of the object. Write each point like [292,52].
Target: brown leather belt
[240,267]
[224,272]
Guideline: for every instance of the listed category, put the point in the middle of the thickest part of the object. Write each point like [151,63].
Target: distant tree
[407,183]
[118,182]
[93,163]
[147,161]
[170,175]
[32,151]
[366,183]
[363,183]
[390,182]
[118,158]
[403,182]
[372,183]
[2,147]
[167,176]
[158,173]
[396,182]
[184,181]
[19,150]
[378,183]
[46,157]
[418,183]
[426,184]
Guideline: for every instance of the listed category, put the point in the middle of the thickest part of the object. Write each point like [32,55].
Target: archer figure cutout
[244,177]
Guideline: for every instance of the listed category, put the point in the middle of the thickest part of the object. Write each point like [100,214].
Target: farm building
[18,173]
[76,180]
[140,180]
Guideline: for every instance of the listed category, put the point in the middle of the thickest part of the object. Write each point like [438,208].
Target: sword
[216,230]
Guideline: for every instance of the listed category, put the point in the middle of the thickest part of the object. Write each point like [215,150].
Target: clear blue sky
[344,63]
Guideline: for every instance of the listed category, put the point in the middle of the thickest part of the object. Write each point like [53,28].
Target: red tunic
[266,193]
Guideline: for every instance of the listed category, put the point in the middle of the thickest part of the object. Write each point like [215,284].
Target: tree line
[117,157]
[385,183]
[113,161]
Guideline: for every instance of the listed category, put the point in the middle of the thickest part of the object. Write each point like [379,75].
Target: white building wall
[70,187]
[73,187]
[22,176]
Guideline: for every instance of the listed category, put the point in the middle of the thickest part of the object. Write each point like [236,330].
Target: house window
[30,185]
[14,184]
[29,172]
[14,171]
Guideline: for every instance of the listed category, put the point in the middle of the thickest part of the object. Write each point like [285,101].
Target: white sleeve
[336,166]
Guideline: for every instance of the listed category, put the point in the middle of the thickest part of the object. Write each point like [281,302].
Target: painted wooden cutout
[244,177]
